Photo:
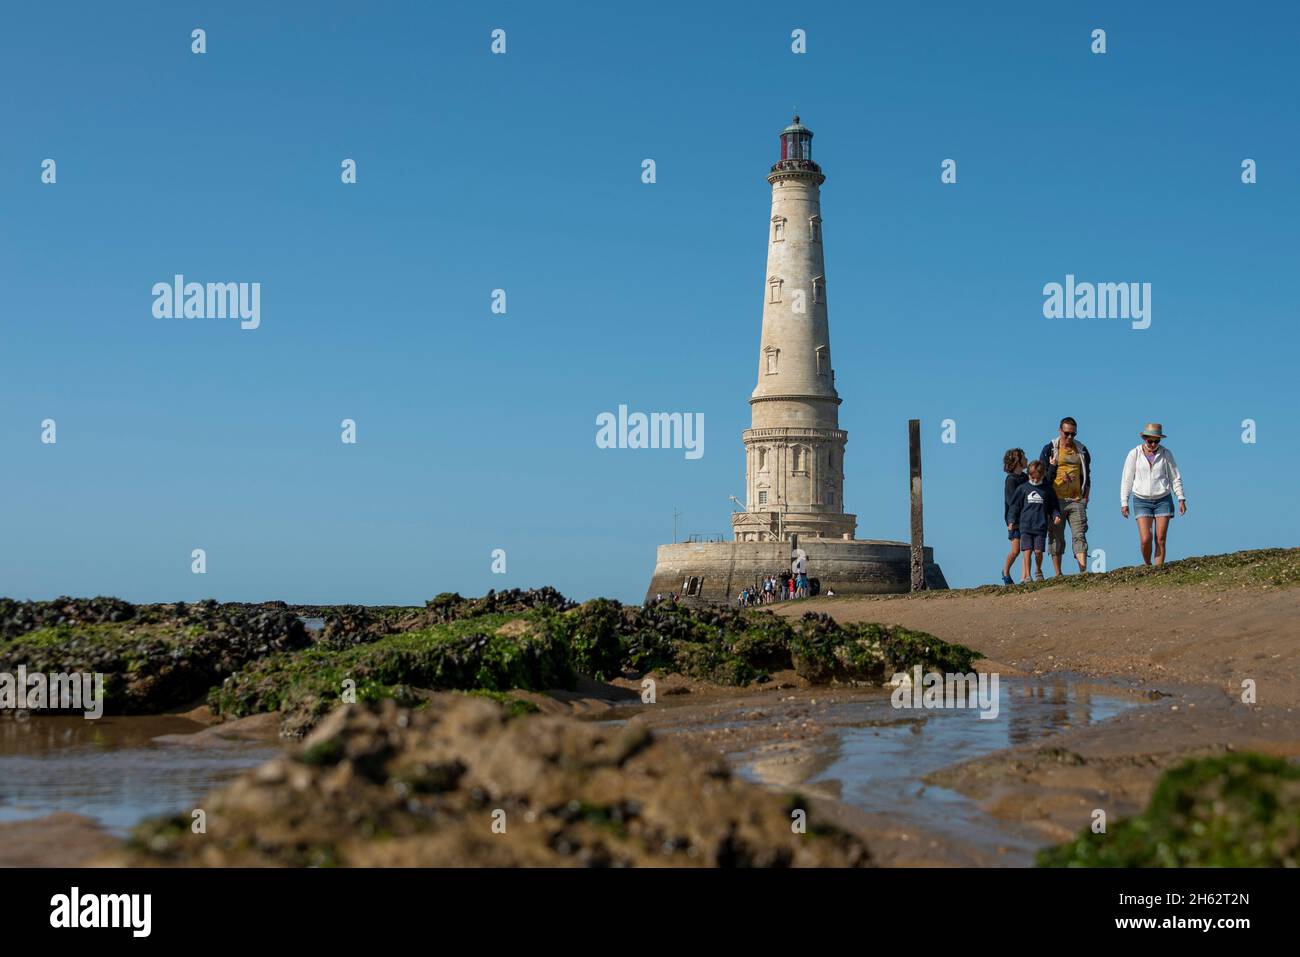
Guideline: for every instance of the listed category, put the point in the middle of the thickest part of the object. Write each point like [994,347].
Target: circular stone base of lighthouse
[715,572]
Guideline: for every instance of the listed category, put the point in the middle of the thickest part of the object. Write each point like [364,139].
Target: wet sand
[867,766]
[1186,649]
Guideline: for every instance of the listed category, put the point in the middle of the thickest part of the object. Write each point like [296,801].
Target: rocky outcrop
[250,659]
[153,657]
[450,606]
[479,654]
[459,783]
[824,652]
[20,617]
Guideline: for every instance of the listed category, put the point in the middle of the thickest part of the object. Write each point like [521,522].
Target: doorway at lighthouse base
[715,572]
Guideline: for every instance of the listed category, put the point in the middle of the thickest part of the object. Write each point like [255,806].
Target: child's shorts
[1013,534]
[1151,507]
[1033,543]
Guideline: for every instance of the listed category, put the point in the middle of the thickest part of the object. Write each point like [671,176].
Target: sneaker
[1006,580]
[1039,576]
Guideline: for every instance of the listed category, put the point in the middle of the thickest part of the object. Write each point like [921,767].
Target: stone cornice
[815,178]
[796,398]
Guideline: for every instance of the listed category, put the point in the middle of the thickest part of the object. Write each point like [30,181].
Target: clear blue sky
[522,172]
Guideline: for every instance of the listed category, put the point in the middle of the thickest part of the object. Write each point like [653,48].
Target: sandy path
[1182,634]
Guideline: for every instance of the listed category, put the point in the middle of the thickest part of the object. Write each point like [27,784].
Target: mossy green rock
[594,632]
[153,657]
[824,651]
[488,652]
[1240,810]
[249,659]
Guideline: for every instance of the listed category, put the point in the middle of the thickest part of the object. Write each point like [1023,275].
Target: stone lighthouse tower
[793,515]
[794,450]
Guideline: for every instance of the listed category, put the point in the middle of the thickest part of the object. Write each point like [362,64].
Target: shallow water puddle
[111,769]
[874,756]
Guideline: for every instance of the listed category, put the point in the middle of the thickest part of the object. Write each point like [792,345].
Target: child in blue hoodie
[1032,508]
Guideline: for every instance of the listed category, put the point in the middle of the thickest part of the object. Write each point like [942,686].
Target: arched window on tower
[815,229]
[778,229]
[762,460]
[773,289]
[823,360]
[770,354]
[798,459]
[819,289]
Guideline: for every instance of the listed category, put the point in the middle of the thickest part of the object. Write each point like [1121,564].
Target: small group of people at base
[775,588]
[1040,498]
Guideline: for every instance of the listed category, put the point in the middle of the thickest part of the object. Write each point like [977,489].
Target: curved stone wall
[852,567]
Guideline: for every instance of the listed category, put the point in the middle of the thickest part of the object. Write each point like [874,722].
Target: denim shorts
[1013,534]
[1033,543]
[1151,507]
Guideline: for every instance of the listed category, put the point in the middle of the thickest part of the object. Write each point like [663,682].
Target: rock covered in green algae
[153,657]
[379,785]
[540,649]
[19,617]
[348,625]
[724,645]
[250,659]
[825,651]
[1238,810]
[489,653]
[595,632]
[449,606]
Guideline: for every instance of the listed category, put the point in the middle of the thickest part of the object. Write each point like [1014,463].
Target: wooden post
[918,531]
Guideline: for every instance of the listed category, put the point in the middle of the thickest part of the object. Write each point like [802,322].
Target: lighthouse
[794,449]
[793,516]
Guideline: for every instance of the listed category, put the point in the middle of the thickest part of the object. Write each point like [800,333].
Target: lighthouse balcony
[807,434]
[801,169]
[795,165]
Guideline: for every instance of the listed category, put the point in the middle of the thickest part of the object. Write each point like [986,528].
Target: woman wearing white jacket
[1150,483]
